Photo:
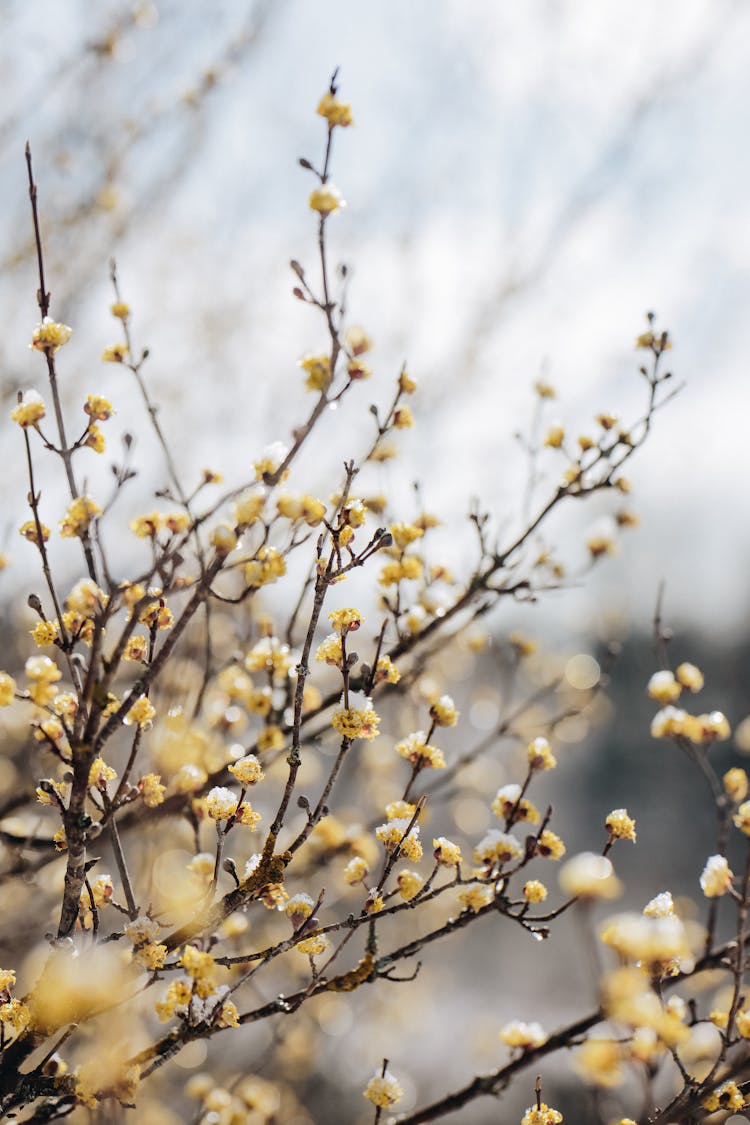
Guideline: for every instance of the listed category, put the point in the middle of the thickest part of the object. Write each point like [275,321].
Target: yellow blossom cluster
[541,1115]
[509,805]
[355,717]
[383,1090]
[78,518]
[30,410]
[49,335]
[396,836]
[666,688]
[419,753]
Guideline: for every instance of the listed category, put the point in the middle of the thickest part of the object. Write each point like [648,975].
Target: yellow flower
[358,720]
[50,728]
[142,712]
[271,460]
[249,507]
[358,370]
[98,408]
[47,787]
[30,532]
[668,723]
[100,773]
[383,1090]
[410,883]
[42,670]
[620,825]
[45,633]
[540,756]
[221,803]
[7,979]
[356,870]
[374,903]
[271,656]
[544,390]
[736,784]
[318,368]
[247,770]
[267,566]
[78,517]
[690,677]
[534,891]
[508,802]
[664,688]
[406,569]
[545,1115]
[86,598]
[306,508]
[30,410]
[314,945]
[326,199]
[659,942]
[176,522]
[661,906]
[589,876]
[716,878]
[599,545]
[444,712]
[726,1096]
[299,908]
[386,671]
[16,1015]
[476,897]
[95,439]
[202,968]
[555,437]
[403,419]
[497,847]
[713,727]
[549,845]
[446,852]
[115,353]
[345,620]
[157,615]
[271,738]
[741,817]
[176,996]
[49,336]
[152,790]
[396,835]
[136,649]
[417,751]
[335,111]
[357,340]
[329,650]
[599,1061]
[223,539]
[151,955]
[405,533]
[120,310]
[517,1033]
[229,1015]
[148,526]
[406,384]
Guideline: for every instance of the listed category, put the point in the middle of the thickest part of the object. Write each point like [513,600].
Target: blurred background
[523,183]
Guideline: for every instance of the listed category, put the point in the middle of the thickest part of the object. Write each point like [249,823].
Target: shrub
[246,809]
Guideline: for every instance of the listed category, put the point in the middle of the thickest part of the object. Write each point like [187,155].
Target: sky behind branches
[523,183]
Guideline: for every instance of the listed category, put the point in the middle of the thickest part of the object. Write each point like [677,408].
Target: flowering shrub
[243,809]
